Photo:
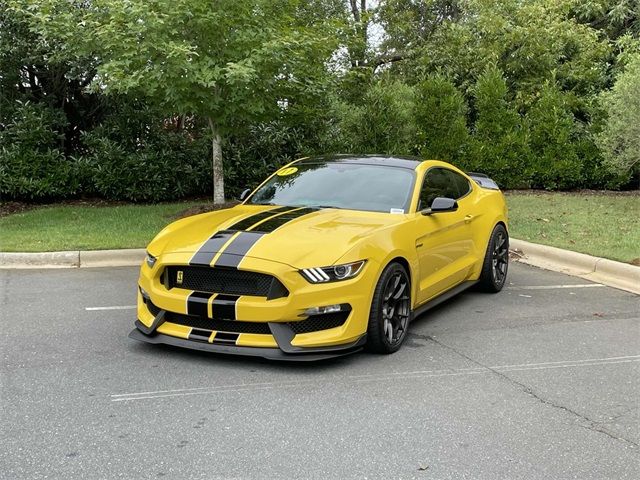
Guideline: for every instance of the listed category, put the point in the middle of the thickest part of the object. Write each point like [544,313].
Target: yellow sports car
[330,254]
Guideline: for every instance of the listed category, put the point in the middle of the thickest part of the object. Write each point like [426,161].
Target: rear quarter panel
[489,208]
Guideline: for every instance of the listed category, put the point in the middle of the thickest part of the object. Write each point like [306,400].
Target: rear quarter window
[442,182]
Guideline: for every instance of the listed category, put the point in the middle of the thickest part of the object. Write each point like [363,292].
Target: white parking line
[116,307]
[553,287]
[241,387]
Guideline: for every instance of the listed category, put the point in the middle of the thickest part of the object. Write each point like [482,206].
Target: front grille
[319,322]
[232,326]
[225,280]
[313,323]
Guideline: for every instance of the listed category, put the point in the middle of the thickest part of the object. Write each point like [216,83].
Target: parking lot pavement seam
[591,424]
[254,387]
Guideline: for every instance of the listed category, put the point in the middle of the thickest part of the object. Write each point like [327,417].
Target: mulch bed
[9,208]
[204,208]
[584,192]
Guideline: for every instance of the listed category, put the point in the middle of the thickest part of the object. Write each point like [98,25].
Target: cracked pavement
[535,382]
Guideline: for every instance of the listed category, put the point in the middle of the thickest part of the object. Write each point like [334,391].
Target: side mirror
[441,205]
[245,193]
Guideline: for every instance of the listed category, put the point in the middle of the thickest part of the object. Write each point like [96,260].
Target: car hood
[300,238]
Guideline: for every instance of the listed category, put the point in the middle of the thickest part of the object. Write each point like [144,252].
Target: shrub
[620,138]
[170,167]
[255,152]
[37,175]
[555,163]
[32,166]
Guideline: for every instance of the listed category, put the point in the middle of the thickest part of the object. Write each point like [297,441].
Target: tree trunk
[218,172]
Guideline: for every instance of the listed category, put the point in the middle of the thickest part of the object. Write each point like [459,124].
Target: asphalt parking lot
[539,381]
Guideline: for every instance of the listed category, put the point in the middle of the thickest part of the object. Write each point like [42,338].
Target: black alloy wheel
[500,258]
[390,310]
[496,262]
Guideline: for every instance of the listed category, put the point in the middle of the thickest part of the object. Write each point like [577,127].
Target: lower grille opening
[200,335]
[316,323]
[232,326]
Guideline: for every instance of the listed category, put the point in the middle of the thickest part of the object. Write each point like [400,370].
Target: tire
[496,261]
[390,312]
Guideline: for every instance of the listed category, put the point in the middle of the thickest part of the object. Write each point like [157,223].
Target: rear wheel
[390,310]
[496,261]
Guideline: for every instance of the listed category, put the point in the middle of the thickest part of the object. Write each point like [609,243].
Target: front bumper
[162,313]
[287,353]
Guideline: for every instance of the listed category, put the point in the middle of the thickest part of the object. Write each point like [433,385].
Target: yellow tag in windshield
[287,171]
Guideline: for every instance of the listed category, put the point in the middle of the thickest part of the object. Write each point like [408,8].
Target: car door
[444,242]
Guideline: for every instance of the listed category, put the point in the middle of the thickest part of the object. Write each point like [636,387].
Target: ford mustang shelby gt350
[327,256]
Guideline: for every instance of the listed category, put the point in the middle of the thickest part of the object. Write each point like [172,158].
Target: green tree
[530,41]
[228,61]
[620,138]
[440,115]
[44,71]
[384,123]
[615,18]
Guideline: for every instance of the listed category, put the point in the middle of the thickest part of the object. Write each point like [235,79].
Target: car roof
[385,160]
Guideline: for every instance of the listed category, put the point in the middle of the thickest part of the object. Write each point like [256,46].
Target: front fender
[383,247]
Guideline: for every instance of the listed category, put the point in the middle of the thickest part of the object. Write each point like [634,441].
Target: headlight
[151,260]
[334,273]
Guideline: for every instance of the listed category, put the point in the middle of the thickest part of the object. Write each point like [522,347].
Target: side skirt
[443,297]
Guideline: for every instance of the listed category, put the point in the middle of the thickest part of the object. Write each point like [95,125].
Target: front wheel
[496,261]
[390,310]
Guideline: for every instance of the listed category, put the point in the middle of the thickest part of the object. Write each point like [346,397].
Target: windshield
[339,185]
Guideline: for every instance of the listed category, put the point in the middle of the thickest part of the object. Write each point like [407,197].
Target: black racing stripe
[237,249]
[199,335]
[225,337]
[205,254]
[276,222]
[224,307]
[248,222]
[197,304]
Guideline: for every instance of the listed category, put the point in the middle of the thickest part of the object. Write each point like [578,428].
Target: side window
[462,184]
[442,182]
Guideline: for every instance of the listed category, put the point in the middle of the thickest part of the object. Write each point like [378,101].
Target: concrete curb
[601,270]
[73,259]
[615,274]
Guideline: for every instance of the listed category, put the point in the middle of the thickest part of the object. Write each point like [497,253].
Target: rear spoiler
[483,180]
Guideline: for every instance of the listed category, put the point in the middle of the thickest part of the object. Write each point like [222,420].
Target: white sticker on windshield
[397,210]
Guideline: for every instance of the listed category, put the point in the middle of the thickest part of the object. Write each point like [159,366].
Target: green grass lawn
[599,224]
[604,225]
[71,227]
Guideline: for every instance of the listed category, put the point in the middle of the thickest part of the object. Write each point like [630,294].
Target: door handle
[468,218]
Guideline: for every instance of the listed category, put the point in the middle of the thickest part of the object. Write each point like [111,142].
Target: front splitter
[268,353]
